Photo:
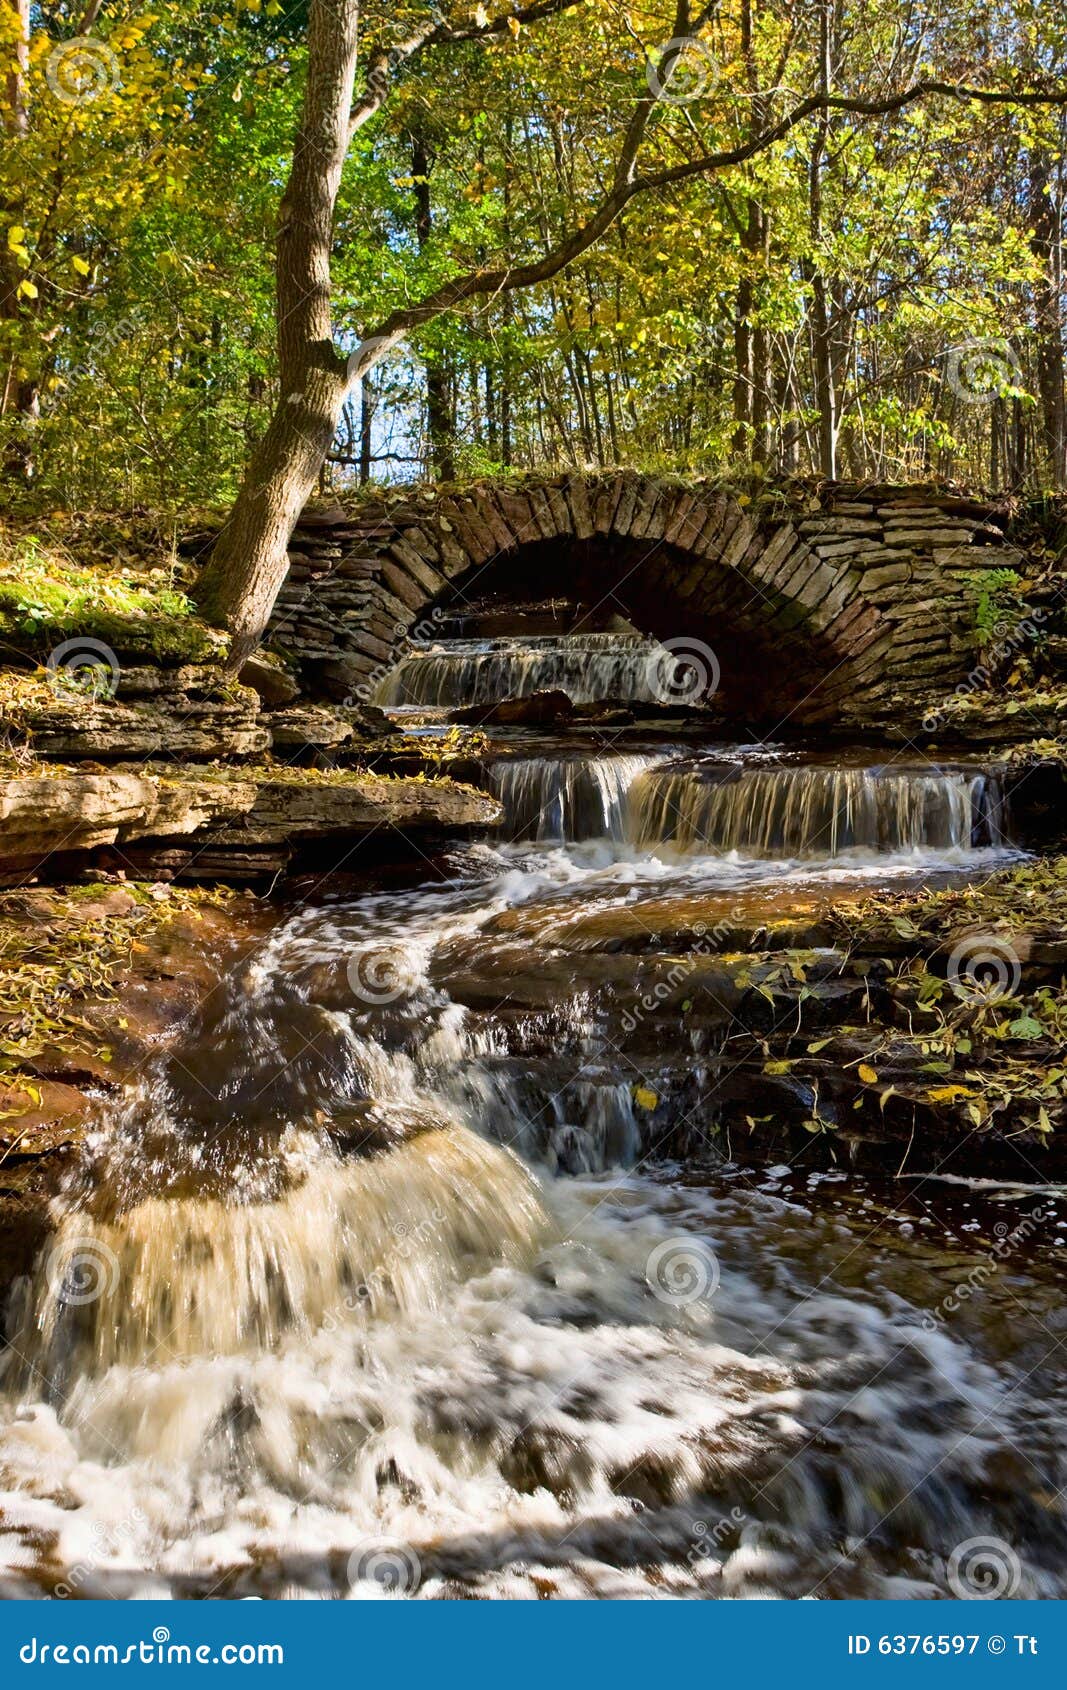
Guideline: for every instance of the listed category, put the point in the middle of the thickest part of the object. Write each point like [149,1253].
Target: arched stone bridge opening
[819,603]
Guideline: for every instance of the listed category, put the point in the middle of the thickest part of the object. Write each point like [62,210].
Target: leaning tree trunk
[248,563]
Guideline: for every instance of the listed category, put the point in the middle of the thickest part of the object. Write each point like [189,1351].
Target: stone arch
[818,603]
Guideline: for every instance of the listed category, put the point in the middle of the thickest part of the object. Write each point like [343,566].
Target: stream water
[354,1296]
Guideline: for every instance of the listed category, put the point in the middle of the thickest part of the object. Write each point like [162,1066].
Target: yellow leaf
[644,1098]
[867,1074]
[80,265]
[514,25]
[27,289]
[16,235]
[947,1094]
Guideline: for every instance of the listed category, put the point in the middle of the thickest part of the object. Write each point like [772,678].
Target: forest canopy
[876,293]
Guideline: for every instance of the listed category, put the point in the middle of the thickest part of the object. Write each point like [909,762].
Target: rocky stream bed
[524,1132]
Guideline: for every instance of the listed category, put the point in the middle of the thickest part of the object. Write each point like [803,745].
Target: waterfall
[202,1276]
[550,798]
[645,801]
[587,667]
[816,812]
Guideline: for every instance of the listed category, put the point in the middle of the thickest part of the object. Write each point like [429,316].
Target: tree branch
[383,61]
[628,184]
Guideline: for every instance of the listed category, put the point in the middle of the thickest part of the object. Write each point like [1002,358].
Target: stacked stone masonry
[853,593]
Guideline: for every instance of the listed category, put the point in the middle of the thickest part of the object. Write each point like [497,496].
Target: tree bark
[247,566]
[440,410]
[1046,215]
[822,343]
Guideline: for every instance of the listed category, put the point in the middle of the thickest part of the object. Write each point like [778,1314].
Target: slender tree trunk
[440,411]
[17,115]
[1046,214]
[822,332]
[367,401]
[248,564]
[21,397]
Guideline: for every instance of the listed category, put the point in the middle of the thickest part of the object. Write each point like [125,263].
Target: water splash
[202,1277]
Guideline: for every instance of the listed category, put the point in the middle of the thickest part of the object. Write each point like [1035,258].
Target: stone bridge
[820,602]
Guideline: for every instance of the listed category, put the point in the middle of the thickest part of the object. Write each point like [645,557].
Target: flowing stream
[379,1283]
[478,671]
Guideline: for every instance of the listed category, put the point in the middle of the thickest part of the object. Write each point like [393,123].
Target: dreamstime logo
[984,1569]
[984,966]
[681,71]
[682,671]
[682,1270]
[708,940]
[1006,638]
[1008,1239]
[379,975]
[980,371]
[422,630]
[83,668]
[81,1271]
[82,70]
[393,1567]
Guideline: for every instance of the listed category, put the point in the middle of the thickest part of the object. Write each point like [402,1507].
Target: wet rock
[312,727]
[535,710]
[257,1056]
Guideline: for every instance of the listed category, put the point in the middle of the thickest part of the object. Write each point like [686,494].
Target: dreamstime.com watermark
[979,371]
[376,1287]
[1010,637]
[1008,1240]
[379,974]
[155,1651]
[684,69]
[984,1569]
[82,70]
[105,1541]
[707,1538]
[383,1567]
[424,629]
[682,1270]
[984,967]
[710,940]
[682,671]
[83,668]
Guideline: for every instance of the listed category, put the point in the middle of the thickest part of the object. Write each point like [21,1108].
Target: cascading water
[587,667]
[817,812]
[556,798]
[379,1268]
[699,806]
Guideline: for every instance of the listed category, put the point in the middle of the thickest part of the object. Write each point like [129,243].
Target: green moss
[45,598]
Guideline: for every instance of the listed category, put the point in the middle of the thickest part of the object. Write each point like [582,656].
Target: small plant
[998,600]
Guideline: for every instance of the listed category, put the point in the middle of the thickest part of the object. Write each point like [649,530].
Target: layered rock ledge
[200,822]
